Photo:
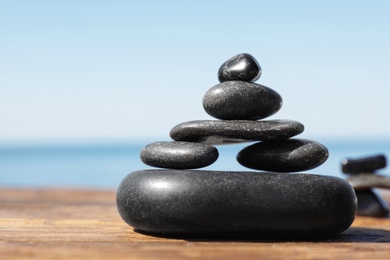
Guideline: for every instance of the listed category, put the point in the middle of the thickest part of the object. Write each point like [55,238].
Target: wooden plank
[64,224]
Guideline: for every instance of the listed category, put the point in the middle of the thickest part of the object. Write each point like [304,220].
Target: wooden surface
[68,224]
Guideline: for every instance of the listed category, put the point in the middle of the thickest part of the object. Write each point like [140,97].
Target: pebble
[227,204]
[364,181]
[363,165]
[371,204]
[240,100]
[240,67]
[235,131]
[179,155]
[290,155]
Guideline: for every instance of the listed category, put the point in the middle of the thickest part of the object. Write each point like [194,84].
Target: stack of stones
[184,202]
[363,176]
[239,103]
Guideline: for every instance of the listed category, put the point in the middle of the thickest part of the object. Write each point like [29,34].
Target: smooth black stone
[240,100]
[371,204]
[222,203]
[363,165]
[227,132]
[290,155]
[240,67]
[179,155]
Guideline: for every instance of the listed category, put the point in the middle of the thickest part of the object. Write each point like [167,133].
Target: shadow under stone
[353,235]
[370,235]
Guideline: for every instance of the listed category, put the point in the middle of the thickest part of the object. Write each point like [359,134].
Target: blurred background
[84,85]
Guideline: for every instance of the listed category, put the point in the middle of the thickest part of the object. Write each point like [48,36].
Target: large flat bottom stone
[228,204]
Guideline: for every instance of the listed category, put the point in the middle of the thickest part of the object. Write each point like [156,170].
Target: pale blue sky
[130,70]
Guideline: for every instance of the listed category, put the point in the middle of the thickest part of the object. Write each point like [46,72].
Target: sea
[105,165]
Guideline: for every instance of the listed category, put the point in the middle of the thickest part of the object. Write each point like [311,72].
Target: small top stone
[240,67]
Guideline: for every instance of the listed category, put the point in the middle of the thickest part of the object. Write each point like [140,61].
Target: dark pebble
[179,155]
[240,100]
[290,155]
[363,165]
[227,204]
[235,131]
[370,203]
[240,67]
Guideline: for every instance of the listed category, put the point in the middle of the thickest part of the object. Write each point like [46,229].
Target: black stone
[223,131]
[290,155]
[240,67]
[363,165]
[179,155]
[371,204]
[226,204]
[240,100]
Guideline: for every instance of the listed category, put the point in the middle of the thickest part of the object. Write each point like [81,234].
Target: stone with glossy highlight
[235,131]
[240,67]
[228,204]
[290,155]
[179,155]
[240,100]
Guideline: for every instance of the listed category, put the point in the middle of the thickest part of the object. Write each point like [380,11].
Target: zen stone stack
[370,202]
[180,201]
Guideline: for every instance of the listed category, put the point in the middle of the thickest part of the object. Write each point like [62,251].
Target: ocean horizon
[104,165]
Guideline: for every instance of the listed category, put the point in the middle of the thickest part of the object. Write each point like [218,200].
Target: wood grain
[71,223]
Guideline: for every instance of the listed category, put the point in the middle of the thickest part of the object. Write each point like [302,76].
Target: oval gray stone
[235,131]
[240,100]
[290,155]
[228,204]
[179,155]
